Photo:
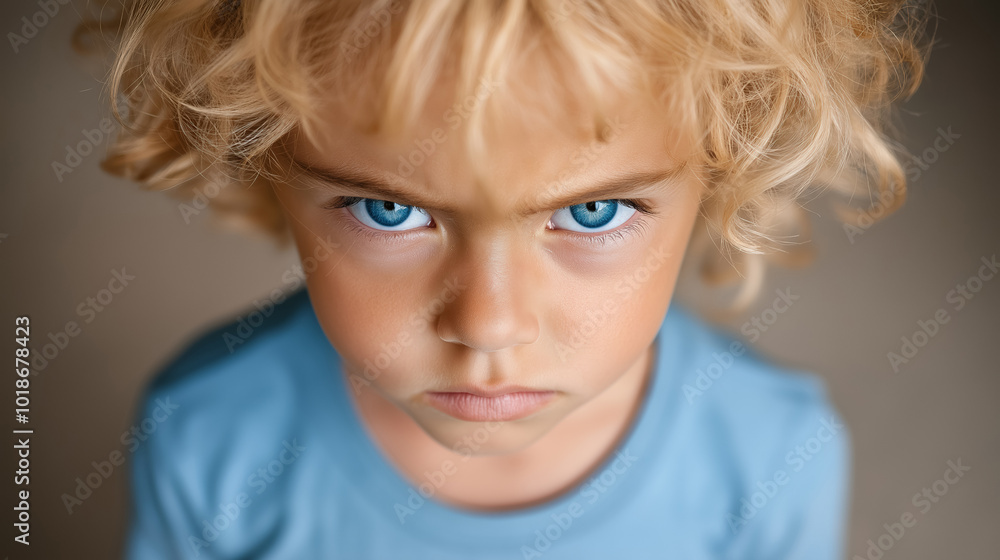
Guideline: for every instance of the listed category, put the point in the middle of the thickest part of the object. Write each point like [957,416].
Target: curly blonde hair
[780,96]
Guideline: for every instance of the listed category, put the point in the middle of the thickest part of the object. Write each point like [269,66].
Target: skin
[524,289]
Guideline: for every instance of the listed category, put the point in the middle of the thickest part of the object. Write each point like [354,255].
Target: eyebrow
[630,184]
[367,185]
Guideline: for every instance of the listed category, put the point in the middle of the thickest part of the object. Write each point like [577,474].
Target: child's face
[503,289]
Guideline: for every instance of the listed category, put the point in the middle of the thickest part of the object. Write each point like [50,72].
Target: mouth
[486,406]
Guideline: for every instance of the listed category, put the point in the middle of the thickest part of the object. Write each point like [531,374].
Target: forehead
[530,149]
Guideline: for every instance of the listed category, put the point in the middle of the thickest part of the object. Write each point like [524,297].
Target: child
[491,201]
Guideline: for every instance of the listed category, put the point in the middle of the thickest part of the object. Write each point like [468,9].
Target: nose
[495,307]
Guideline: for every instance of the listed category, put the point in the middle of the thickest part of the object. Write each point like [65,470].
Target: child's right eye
[384,215]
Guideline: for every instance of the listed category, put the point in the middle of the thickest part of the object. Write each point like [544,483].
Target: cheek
[604,326]
[378,323]
[605,321]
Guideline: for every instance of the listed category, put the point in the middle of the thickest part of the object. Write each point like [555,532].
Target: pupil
[592,206]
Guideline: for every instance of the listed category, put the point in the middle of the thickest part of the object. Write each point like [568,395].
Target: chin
[482,439]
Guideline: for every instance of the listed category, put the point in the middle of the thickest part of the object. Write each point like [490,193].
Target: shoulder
[749,394]
[235,399]
[784,444]
[233,375]
[257,334]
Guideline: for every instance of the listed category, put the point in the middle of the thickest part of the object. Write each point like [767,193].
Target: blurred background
[67,230]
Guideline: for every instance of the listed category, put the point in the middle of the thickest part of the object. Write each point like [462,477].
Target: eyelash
[637,227]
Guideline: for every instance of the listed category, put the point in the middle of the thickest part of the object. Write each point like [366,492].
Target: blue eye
[386,215]
[596,216]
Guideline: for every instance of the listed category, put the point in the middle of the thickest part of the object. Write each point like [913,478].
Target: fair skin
[488,289]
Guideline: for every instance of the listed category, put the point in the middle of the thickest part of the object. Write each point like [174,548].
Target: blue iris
[594,214]
[387,213]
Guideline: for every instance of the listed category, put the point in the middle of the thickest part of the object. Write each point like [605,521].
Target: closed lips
[497,408]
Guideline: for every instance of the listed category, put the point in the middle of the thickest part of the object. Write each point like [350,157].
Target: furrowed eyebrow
[369,186]
[366,185]
[631,184]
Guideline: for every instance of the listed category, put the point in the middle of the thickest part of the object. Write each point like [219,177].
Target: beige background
[62,239]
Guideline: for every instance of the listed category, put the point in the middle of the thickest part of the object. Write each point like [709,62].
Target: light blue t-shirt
[258,453]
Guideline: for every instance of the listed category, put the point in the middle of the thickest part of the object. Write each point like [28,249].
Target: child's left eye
[593,217]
